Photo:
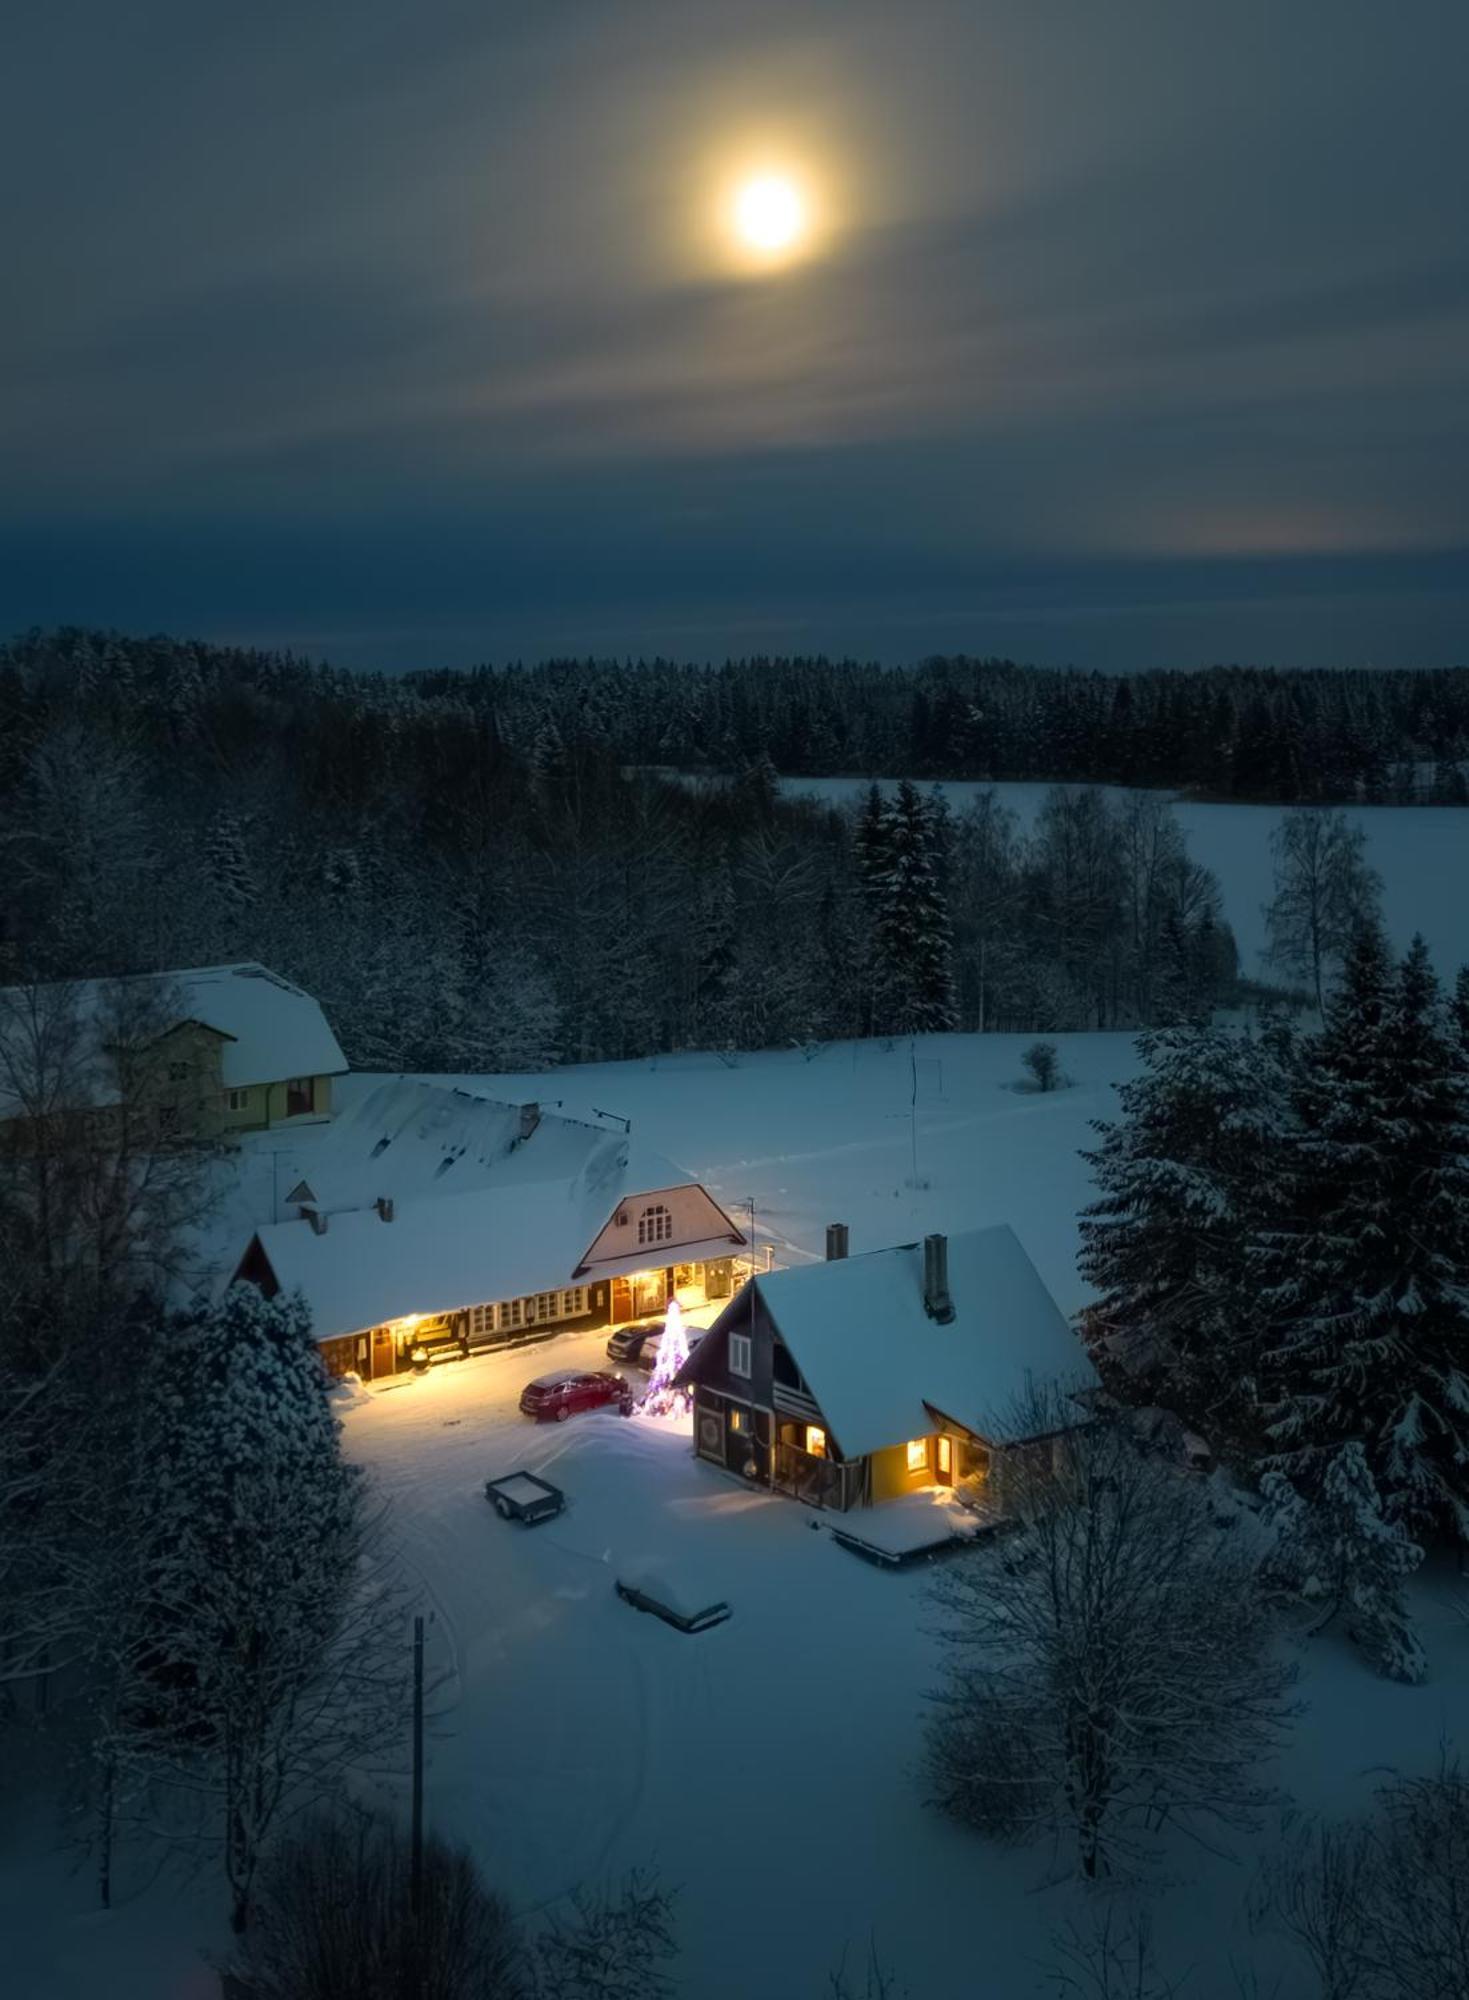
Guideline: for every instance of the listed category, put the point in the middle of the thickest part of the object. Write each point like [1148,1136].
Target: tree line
[464,894]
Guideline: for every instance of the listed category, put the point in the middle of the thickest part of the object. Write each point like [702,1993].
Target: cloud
[1123,285]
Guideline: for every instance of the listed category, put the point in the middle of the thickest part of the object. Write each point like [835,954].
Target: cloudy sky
[1133,333]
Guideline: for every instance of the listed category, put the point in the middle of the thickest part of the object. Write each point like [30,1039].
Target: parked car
[637,1343]
[553,1398]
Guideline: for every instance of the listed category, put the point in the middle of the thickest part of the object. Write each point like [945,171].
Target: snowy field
[768,1767]
[1421,853]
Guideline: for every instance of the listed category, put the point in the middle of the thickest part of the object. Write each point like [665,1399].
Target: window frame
[741,1355]
[655,1225]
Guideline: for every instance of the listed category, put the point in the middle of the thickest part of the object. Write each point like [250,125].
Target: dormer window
[655,1224]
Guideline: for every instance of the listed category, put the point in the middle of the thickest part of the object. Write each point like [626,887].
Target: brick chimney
[936,1301]
[317,1220]
[384,1207]
[836,1241]
[530,1117]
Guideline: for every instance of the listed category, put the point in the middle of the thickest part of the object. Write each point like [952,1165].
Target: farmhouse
[432,1221]
[206,1053]
[865,1378]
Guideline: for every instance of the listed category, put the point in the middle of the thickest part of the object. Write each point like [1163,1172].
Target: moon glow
[770,217]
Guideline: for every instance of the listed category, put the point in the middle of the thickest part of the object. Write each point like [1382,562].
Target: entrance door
[945,1473]
[650,1293]
[382,1351]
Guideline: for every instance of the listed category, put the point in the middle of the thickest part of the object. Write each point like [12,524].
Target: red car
[554,1397]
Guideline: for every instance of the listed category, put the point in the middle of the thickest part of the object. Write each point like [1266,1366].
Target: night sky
[1126,334]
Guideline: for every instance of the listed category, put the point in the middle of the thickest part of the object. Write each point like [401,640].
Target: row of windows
[655,1224]
[510,1315]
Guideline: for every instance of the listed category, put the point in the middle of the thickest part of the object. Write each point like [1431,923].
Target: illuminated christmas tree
[662,1399]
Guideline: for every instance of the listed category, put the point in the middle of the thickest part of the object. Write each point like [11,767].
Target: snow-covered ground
[1421,853]
[769,1767]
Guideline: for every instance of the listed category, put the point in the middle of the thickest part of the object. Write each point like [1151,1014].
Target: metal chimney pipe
[836,1241]
[936,1301]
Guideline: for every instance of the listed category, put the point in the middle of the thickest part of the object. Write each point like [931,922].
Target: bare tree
[1315,1889]
[335,1917]
[105,1161]
[1111,1663]
[1379,1906]
[1113,1960]
[1324,890]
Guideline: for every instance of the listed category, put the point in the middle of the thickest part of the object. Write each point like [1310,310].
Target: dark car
[637,1344]
[553,1398]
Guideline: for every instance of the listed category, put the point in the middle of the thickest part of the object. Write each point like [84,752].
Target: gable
[661,1226]
[878,1365]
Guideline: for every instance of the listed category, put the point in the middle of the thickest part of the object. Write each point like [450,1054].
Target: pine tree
[1460,1016]
[228,860]
[1364,1279]
[1339,1551]
[1182,1176]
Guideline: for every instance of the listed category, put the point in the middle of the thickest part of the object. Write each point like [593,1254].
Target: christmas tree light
[662,1399]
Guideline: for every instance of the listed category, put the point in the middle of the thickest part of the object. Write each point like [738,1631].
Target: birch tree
[1110,1664]
[1324,892]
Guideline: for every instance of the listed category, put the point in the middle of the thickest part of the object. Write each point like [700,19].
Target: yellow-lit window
[737,1420]
[816,1440]
[918,1454]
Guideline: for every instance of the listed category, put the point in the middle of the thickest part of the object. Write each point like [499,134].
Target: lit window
[816,1440]
[737,1420]
[918,1455]
[739,1354]
[655,1224]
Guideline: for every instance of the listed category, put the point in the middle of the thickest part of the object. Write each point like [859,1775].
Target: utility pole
[416,1878]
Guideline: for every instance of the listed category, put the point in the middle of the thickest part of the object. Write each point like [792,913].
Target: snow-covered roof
[409,1139]
[877,1363]
[270,1030]
[275,1030]
[501,1240]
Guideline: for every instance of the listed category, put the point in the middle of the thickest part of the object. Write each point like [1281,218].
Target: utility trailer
[671,1614]
[521,1496]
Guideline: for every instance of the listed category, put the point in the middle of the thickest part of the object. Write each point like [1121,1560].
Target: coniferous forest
[487,870]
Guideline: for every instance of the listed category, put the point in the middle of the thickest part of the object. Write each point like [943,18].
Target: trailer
[671,1613]
[523,1497]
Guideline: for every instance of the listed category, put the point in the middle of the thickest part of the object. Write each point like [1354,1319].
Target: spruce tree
[1340,1552]
[1364,1278]
[1182,1175]
[912,933]
[255,1532]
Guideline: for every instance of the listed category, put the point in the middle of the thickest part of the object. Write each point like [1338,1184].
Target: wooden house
[865,1378]
[208,1053]
[433,1221]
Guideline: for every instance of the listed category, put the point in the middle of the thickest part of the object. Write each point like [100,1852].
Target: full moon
[770,215]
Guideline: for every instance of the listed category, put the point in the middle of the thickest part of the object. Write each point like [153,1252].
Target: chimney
[317,1220]
[836,1241]
[384,1206]
[530,1117]
[936,1301]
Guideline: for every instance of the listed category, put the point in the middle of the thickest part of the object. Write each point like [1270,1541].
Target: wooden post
[416,1878]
